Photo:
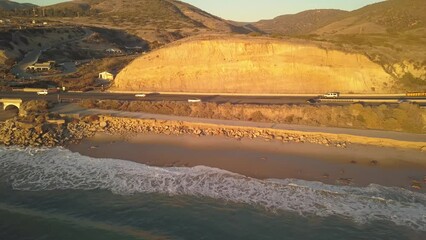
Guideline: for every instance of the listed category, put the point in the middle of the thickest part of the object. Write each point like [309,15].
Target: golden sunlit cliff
[252,65]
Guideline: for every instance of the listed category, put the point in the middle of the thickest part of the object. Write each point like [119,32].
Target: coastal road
[263,100]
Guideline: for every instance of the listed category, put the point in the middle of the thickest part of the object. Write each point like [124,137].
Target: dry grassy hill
[384,17]
[301,23]
[252,65]
[160,20]
[10,5]
[391,33]
[16,43]
[390,16]
[378,48]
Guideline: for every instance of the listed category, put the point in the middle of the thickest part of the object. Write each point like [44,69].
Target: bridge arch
[11,107]
[11,103]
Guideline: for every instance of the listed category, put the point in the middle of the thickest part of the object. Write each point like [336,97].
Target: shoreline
[355,165]
[258,152]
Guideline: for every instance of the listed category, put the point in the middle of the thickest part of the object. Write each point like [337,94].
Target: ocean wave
[59,169]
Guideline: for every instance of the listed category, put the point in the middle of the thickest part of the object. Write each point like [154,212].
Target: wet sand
[356,165]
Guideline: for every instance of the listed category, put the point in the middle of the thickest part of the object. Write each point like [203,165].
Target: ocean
[57,194]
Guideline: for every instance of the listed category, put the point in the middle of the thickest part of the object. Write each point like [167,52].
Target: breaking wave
[60,169]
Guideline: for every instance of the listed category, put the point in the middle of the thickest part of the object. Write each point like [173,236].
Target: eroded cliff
[247,65]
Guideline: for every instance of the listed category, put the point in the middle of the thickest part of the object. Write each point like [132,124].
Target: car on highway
[331,95]
[403,100]
[44,92]
[140,95]
[194,100]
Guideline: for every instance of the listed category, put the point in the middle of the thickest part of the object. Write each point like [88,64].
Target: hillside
[390,16]
[301,23]
[161,20]
[391,33]
[384,17]
[10,5]
[252,65]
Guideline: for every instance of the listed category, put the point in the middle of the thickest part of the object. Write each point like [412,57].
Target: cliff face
[252,66]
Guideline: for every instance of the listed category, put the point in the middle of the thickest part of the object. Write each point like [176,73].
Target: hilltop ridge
[301,23]
[381,17]
[161,20]
[10,5]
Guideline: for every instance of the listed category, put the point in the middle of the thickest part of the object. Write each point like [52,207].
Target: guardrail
[345,100]
[69,100]
[354,100]
[28,89]
[263,95]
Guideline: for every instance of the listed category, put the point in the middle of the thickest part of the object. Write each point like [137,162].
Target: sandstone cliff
[252,65]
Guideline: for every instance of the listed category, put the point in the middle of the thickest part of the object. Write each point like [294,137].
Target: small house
[106,76]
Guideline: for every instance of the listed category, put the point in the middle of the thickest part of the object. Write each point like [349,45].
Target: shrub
[36,106]
[88,103]
[257,116]
[405,117]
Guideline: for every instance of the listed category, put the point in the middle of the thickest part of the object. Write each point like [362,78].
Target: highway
[262,100]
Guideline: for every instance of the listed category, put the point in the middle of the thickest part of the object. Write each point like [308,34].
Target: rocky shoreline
[58,132]
[62,131]
[45,133]
[114,125]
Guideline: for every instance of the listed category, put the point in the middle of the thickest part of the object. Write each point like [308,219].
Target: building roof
[45,64]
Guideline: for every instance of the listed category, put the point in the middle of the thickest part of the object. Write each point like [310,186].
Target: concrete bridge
[11,103]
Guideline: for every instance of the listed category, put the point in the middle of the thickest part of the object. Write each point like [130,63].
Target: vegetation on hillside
[391,33]
[160,20]
[300,23]
[6,5]
[404,117]
[86,77]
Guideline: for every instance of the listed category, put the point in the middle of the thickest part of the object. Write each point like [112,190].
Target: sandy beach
[357,165]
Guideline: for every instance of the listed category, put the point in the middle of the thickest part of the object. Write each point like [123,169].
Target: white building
[46,66]
[106,76]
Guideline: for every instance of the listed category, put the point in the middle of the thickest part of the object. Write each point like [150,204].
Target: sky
[254,10]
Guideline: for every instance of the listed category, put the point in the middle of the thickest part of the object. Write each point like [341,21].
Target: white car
[194,100]
[44,92]
[331,95]
[140,95]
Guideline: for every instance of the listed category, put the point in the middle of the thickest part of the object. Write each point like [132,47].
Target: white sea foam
[53,169]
